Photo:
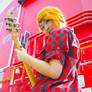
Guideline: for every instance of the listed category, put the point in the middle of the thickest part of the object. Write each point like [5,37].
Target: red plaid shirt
[61,44]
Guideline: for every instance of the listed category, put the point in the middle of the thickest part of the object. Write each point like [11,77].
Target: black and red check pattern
[61,44]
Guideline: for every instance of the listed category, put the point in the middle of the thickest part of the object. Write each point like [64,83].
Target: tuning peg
[15,25]
[9,24]
[10,19]
[9,29]
[17,29]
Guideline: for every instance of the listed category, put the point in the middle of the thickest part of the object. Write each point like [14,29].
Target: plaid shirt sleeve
[57,45]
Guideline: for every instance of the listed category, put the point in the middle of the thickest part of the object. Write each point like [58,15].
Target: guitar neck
[14,33]
[27,68]
[17,43]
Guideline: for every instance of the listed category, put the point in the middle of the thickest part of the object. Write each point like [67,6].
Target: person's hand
[21,54]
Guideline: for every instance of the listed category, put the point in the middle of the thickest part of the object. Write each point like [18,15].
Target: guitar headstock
[12,27]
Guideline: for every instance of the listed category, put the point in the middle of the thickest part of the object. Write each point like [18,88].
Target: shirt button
[58,48]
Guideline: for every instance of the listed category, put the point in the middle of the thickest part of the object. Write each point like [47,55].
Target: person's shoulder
[58,30]
[64,30]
